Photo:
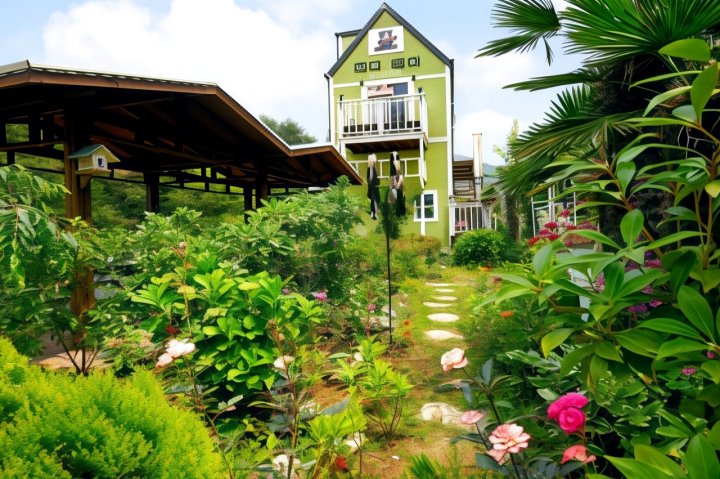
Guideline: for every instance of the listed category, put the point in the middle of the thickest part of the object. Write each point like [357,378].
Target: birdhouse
[94,159]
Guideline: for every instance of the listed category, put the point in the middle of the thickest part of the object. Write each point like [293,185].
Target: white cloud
[492,73]
[267,66]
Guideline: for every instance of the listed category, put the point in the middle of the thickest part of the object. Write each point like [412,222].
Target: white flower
[281,463]
[358,357]
[164,360]
[177,348]
[283,362]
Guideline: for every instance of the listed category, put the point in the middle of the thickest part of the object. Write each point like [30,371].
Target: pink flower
[710,355]
[372,307]
[654,303]
[164,360]
[638,308]
[566,411]
[578,452]
[507,438]
[177,348]
[565,213]
[453,359]
[471,417]
[653,263]
[499,456]
[551,225]
[320,296]
[689,371]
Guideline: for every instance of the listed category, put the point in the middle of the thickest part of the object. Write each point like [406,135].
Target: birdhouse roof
[90,149]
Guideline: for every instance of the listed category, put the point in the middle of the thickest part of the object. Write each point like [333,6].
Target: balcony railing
[409,168]
[468,216]
[396,115]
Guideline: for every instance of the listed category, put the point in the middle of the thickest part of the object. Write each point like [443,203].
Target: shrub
[479,247]
[58,426]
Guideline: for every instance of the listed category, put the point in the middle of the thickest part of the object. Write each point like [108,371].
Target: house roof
[362,32]
[158,126]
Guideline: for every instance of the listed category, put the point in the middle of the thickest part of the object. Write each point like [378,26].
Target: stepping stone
[436,305]
[446,298]
[385,310]
[444,290]
[440,285]
[440,335]
[443,317]
[440,412]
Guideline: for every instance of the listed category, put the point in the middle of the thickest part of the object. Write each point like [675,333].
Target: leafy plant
[479,247]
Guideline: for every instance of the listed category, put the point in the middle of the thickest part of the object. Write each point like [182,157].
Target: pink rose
[453,359]
[177,348]
[507,438]
[578,452]
[566,411]
[471,417]
[164,360]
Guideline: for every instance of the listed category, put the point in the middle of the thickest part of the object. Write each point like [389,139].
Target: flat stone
[444,290]
[436,305]
[440,335]
[385,310]
[443,317]
[440,412]
[446,298]
[440,285]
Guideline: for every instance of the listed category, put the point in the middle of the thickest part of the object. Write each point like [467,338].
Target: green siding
[436,94]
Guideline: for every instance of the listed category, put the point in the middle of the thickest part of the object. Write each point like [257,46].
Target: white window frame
[422,207]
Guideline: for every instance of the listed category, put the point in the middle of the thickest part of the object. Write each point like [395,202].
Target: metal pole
[387,247]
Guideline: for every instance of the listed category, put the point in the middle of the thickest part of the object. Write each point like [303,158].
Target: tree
[510,201]
[620,41]
[289,130]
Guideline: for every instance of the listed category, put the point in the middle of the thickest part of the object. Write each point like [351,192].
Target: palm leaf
[574,125]
[529,20]
[611,31]
[582,75]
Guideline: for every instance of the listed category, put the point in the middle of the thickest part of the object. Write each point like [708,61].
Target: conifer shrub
[60,426]
[479,247]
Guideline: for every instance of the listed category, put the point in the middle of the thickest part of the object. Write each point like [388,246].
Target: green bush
[58,426]
[479,247]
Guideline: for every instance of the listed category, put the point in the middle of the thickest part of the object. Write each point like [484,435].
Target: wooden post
[78,203]
[248,201]
[261,187]
[152,192]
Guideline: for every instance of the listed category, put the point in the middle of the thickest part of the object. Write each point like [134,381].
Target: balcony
[383,124]
[469,216]
[409,168]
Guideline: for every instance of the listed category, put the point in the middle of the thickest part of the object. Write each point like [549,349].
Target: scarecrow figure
[373,186]
[397,185]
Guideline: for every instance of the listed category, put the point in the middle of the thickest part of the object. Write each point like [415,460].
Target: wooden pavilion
[176,133]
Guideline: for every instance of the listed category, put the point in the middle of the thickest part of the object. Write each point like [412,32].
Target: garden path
[423,341]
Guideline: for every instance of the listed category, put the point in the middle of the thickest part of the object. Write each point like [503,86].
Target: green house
[391,90]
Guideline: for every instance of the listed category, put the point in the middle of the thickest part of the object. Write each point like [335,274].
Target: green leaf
[631,225]
[650,455]
[672,238]
[714,436]
[697,310]
[625,173]
[637,470]
[713,188]
[598,368]
[678,346]
[554,339]
[702,89]
[639,342]
[543,259]
[680,268]
[688,49]
[713,369]
[574,357]
[701,460]
[672,326]
[658,99]
[607,350]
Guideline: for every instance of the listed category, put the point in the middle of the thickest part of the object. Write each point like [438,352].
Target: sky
[271,55]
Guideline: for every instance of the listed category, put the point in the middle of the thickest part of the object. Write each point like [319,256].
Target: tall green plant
[644,309]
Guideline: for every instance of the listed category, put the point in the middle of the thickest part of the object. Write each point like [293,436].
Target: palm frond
[582,75]
[529,20]
[574,123]
[611,31]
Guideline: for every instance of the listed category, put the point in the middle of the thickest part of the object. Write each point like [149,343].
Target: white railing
[468,216]
[394,115]
[410,167]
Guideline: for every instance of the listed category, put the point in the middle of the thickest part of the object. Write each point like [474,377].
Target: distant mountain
[488,169]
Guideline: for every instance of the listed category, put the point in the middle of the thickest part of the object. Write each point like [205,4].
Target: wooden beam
[152,192]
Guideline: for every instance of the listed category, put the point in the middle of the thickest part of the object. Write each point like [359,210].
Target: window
[426,206]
